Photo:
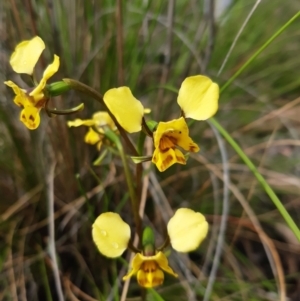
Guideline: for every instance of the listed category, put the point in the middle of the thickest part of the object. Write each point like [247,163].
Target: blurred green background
[151,46]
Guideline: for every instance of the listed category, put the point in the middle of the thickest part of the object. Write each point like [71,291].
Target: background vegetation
[151,46]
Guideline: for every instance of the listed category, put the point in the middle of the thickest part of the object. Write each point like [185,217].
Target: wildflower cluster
[197,99]
[186,230]
[23,61]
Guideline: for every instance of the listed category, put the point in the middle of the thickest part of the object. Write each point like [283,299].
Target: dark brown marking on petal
[150,278]
[150,269]
[181,160]
[167,142]
[157,281]
[149,266]
[31,118]
[23,117]
[166,149]
[166,162]
[30,98]
[142,281]
[41,103]
[173,139]
[192,148]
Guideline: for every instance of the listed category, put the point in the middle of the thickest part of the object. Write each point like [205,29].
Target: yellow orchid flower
[149,269]
[23,60]
[198,99]
[167,137]
[186,230]
[98,120]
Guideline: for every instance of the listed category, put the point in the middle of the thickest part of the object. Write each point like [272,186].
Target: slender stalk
[156,295]
[133,195]
[138,179]
[237,148]
[51,229]
[260,50]
[165,244]
[209,8]
[224,217]
[259,177]
[120,47]
[146,128]
[238,35]
[255,171]
[133,248]
[43,275]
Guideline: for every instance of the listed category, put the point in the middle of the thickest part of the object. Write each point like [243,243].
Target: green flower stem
[259,177]
[237,148]
[43,274]
[245,158]
[138,179]
[133,248]
[78,86]
[156,296]
[146,128]
[165,244]
[140,143]
[260,50]
[115,276]
[51,112]
[111,135]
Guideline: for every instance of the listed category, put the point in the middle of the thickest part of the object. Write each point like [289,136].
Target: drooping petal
[26,55]
[187,229]
[21,98]
[163,160]
[180,158]
[136,264]
[17,90]
[92,137]
[30,116]
[98,120]
[102,118]
[198,97]
[125,107]
[23,101]
[110,234]
[79,122]
[178,132]
[130,274]
[37,93]
[150,275]
[163,263]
